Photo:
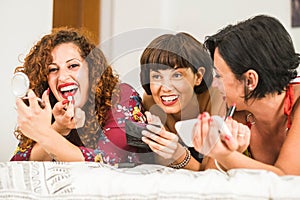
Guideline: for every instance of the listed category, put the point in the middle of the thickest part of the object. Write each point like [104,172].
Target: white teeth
[68,88]
[169,98]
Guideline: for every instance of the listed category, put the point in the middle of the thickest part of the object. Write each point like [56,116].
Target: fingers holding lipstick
[70,112]
[229,139]
[64,113]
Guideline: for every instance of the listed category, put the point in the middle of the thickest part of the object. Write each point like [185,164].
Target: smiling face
[173,89]
[68,74]
[227,82]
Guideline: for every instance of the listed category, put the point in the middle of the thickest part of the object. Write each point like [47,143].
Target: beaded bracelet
[185,161]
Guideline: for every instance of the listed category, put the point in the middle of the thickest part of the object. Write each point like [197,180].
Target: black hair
[262,44]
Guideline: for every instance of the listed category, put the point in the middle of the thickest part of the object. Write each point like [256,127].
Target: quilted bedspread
[82,180]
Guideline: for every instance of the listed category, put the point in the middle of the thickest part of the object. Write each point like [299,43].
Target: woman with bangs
[176,74]
[85,105]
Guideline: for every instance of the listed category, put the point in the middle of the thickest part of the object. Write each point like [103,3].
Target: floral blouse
[112,146]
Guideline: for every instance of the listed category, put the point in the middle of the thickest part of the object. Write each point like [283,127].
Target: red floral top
[112,147]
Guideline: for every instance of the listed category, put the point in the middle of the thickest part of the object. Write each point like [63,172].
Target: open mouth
[67,90]
[169,100]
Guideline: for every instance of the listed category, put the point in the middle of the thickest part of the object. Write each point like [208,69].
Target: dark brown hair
[176,51]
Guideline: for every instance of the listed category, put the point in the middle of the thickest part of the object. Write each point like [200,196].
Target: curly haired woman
[85,104]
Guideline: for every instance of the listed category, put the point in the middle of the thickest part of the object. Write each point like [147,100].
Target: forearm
[39,154]
[236,160]
[208,163]
[193,164]
[60,129]
[187,161]
[58,148]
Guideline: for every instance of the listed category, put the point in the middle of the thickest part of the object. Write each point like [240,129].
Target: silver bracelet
[183,163]
[219,167]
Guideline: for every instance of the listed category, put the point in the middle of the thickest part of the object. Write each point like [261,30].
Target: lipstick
[70,98]
[230,111]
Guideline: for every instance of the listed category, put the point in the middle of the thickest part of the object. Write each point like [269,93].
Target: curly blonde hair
[102,79]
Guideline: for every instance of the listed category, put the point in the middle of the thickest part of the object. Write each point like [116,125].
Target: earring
[250,88]
[198,82]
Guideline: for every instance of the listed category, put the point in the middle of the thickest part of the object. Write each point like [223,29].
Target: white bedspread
[77,180]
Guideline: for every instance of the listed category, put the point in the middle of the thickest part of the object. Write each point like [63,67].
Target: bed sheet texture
[83,180]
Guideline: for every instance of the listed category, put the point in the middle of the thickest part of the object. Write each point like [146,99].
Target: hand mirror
[20,86]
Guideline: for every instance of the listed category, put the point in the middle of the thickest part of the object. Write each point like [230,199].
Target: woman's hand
[67,117]
[240,133]
[238,141]
[33,120]
[160,141]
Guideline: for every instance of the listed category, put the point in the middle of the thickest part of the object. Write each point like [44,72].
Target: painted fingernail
[227,137]
[65,101]
[48,91]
